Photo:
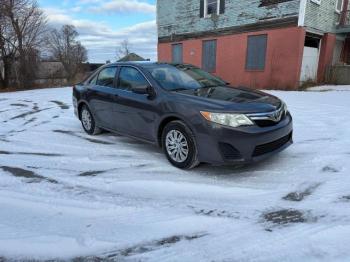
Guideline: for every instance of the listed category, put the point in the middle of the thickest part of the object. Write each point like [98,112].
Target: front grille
[270,147]
[269,118]
[267,123]
[229,152]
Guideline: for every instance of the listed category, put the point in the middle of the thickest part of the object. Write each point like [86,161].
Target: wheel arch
[166,120]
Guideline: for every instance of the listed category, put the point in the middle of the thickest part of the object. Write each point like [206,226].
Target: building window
[177,53]
[256,52]
[209,56]
[316,2]
[339,6]
[211,7]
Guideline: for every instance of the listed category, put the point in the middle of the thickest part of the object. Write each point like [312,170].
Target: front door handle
[115,97]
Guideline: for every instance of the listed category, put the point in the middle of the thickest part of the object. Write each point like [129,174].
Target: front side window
[130,78]
[256,52]
[183,77]
[106,77]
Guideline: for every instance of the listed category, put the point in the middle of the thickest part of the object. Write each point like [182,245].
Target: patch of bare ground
[285,217]
[298,196]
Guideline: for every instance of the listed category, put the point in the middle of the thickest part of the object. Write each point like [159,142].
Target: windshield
[182,77]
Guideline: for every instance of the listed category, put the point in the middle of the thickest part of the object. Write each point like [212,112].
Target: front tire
[88,121]
[179,145]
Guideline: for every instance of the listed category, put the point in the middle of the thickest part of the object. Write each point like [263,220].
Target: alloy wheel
[86,119]
[177,146]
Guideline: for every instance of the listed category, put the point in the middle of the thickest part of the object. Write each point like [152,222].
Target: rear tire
[179,145]
[88,121]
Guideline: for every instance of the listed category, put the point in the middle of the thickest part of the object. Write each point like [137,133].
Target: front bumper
[219,144]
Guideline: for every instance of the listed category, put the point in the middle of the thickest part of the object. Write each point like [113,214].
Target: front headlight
[233,120]
[285,108]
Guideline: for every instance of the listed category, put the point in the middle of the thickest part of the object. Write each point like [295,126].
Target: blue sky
[103,24]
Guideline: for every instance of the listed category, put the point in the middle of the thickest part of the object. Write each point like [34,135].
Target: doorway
[310,59]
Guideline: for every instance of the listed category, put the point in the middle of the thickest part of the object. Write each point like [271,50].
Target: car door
[136,113]
[103,96]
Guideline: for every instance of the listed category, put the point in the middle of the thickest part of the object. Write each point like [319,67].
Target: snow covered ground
[66,195]
[330,88]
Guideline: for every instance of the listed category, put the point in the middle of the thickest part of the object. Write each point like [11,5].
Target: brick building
[274,44]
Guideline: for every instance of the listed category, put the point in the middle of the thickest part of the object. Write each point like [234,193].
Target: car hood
[231,99]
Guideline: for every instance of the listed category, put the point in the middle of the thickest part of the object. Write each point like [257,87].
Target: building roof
[131,57]
[90,67]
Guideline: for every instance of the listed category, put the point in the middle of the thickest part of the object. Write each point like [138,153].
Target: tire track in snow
[24,173]
[142,248]
[2,152]
[92,140]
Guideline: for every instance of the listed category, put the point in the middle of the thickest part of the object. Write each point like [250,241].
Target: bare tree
[66,49]
[8,49]
[124,49]
[24,24]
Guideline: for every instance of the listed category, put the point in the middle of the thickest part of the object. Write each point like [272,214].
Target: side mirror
[144,90]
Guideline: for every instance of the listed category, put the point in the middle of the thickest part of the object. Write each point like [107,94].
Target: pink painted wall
[326,55]
[283,58]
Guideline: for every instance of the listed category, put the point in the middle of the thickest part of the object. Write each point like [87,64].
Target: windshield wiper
[179,89]
[202,87]
[210,86]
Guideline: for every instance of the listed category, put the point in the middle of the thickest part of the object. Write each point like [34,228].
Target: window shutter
[209,56]
[201,8]
[256,52]
[222,6]
[177,53]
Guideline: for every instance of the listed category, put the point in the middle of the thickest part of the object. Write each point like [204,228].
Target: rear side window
[129,78]
[93,80]
[106,77]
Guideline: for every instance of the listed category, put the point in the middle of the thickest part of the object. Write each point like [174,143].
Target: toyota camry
[192,115]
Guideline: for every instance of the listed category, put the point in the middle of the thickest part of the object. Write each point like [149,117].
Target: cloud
[121,6]
[89,1]
[76,9]
[102,41]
